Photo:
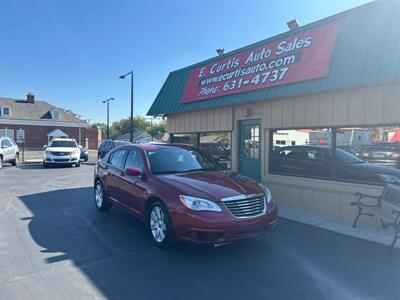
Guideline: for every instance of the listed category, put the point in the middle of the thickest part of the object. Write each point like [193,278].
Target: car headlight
[46,152]
[76,152]
[389,178]
[267,192]
[199,204]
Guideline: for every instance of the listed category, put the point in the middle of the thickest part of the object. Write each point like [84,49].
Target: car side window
[117,158]
[134,160]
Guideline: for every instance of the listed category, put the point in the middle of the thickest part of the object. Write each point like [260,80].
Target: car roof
[155,146]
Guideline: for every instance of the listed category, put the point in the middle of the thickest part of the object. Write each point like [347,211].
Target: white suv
[9,152]
[62,152]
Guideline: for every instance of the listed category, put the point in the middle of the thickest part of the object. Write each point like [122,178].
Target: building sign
[297,57]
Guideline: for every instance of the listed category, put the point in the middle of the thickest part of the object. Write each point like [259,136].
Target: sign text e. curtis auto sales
[298,57]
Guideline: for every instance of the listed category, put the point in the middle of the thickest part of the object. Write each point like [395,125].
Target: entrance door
[249,148]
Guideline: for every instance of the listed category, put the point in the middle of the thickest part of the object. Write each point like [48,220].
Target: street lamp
[131,125]
[108,116]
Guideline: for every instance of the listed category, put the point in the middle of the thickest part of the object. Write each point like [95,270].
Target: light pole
[131,125]
[108,116]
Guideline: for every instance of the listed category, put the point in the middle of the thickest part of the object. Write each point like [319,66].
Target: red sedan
[182,194]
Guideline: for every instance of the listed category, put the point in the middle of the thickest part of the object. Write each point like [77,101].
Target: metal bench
[386,207]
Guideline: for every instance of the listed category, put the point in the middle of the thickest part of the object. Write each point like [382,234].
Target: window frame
[123,161]
[140,153]
[333,147]
[2,111]
[53,116]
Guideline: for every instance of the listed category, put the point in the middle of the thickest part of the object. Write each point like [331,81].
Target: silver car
[9,152]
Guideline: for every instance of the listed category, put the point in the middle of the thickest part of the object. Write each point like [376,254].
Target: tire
[1,161]
[15,162]
[159,225]
[99,198]
[77,165]
[45,165]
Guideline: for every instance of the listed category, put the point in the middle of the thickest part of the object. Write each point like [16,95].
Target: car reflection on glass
[315,161]
[182,194]
[384,154]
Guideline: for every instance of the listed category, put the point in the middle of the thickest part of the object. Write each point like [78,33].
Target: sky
[71,52]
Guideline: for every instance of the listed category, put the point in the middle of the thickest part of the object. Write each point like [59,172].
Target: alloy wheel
[99,195]
[158,225]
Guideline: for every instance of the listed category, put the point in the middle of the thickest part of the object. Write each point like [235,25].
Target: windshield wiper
[170,172]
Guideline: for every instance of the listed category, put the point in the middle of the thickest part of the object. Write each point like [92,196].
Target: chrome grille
[246,205]
[60,153]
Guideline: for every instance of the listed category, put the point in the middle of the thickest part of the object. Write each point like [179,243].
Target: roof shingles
[37,111]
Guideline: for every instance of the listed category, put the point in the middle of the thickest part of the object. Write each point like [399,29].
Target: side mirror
[44,147]
[133,171]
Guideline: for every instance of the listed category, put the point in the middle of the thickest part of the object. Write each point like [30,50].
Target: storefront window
[357,154]
[303,152]
[377,147]
[218,145]
[189,139]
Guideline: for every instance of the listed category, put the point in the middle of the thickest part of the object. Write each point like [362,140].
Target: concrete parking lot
[55,245]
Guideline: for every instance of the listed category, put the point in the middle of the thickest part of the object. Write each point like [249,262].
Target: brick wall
[94,138]
[36,136]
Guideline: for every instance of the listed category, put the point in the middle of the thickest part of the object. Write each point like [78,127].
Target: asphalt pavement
[55,245]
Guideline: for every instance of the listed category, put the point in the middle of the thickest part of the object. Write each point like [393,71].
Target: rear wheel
[99,198]
[16,160]
[160,226]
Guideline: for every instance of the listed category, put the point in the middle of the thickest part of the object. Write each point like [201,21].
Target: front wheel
[160,226]
[16,160]
[99,198]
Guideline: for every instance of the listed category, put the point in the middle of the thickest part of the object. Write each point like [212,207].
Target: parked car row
[60,151]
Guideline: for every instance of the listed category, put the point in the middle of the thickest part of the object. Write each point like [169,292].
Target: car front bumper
[219,228]
[65,159]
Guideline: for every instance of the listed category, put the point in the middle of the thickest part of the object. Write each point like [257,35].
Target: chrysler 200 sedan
[182,194]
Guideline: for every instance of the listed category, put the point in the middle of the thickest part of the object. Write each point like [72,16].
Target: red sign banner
[298,57]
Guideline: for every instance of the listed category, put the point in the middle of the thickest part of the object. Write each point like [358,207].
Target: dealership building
[300,111]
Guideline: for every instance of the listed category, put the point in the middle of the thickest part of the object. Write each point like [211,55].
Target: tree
[140,124]
[99,126]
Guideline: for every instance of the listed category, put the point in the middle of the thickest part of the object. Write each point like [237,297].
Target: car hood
[213,185]
[61,149]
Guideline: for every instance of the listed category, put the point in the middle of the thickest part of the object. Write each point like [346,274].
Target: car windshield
[347,158]
[67,144]
[168,160]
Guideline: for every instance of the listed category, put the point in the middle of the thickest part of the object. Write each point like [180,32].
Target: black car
[385,154]
[84,153]
[315,161]
[107,145]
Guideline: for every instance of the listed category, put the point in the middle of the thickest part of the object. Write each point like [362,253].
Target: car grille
[61,159]
[246,205]
[60,153]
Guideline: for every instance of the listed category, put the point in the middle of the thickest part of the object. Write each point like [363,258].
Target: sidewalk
[339,225]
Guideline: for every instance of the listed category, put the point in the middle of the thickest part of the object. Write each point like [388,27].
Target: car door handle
[123,174]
